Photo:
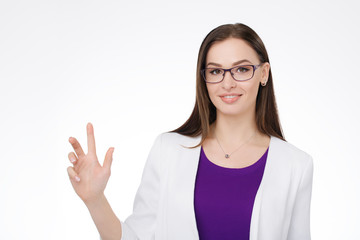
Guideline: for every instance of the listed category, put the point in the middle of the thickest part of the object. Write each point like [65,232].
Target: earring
[263,84]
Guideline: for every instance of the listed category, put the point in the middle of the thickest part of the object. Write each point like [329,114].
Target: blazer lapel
[256,212]
[194,155]
[269,203]
[181,186]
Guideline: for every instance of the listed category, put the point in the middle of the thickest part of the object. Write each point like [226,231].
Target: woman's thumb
[108,158]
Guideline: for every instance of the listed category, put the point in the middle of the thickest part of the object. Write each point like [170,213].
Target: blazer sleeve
[141,223]
[300,221]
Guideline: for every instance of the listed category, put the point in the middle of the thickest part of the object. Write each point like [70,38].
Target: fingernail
[77,179]
[72,160]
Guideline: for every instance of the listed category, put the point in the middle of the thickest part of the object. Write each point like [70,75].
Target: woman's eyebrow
[235,63]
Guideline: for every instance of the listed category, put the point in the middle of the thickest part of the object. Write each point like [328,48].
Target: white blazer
[164,202]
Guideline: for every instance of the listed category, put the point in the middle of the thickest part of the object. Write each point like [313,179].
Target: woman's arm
[300,221]
[106,222]
[89,180]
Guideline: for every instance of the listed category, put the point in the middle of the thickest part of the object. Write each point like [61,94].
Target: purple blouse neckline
[250,167]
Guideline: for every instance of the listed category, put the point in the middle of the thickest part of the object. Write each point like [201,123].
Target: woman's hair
[204,112]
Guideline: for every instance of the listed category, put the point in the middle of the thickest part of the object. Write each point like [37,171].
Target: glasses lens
[213,74]
[243,72]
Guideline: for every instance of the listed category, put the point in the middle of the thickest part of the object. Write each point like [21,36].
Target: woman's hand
[87,176]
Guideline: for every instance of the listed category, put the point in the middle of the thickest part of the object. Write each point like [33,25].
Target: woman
[226,173]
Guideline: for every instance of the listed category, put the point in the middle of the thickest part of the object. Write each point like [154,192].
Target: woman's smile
[230,98]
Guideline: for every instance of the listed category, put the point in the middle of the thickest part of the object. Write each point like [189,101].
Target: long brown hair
[204,112]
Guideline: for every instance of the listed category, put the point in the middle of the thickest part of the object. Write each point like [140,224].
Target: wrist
[97,201]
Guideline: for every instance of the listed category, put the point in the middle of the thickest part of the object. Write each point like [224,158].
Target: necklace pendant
[227,155]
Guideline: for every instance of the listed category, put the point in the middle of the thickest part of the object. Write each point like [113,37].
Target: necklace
[228,155]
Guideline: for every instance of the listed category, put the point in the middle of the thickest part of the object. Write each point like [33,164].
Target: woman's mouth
[230,98]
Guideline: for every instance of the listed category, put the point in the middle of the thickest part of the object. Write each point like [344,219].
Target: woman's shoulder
[174,138]
[289,152]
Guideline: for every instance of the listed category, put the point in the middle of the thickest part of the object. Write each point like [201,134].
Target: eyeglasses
[239,73]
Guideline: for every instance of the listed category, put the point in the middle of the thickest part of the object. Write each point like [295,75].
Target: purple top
[224,198]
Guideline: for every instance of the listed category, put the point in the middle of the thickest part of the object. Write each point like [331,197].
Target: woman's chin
[230,113]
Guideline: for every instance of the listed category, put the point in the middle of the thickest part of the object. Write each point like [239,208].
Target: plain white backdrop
[129,68]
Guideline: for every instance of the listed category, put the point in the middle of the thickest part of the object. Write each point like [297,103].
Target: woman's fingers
[73,175]
[72,158]
[90,138]
[77,147]
[108,159]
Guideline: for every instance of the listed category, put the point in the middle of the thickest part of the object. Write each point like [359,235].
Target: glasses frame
[232,75]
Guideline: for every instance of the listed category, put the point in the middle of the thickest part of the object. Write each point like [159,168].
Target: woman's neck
[232,131]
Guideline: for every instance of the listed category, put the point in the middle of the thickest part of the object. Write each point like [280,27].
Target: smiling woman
[226,173]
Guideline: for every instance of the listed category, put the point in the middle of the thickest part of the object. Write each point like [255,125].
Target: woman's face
[227,54]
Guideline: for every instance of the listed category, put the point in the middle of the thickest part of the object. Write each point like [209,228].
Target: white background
[129,68]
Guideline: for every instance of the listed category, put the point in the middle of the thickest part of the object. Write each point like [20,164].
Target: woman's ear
[265,72]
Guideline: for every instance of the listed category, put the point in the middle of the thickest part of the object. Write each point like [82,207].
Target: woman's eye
[242,69]
[215,71]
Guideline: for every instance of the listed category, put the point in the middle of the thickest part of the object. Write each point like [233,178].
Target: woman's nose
[228,81]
